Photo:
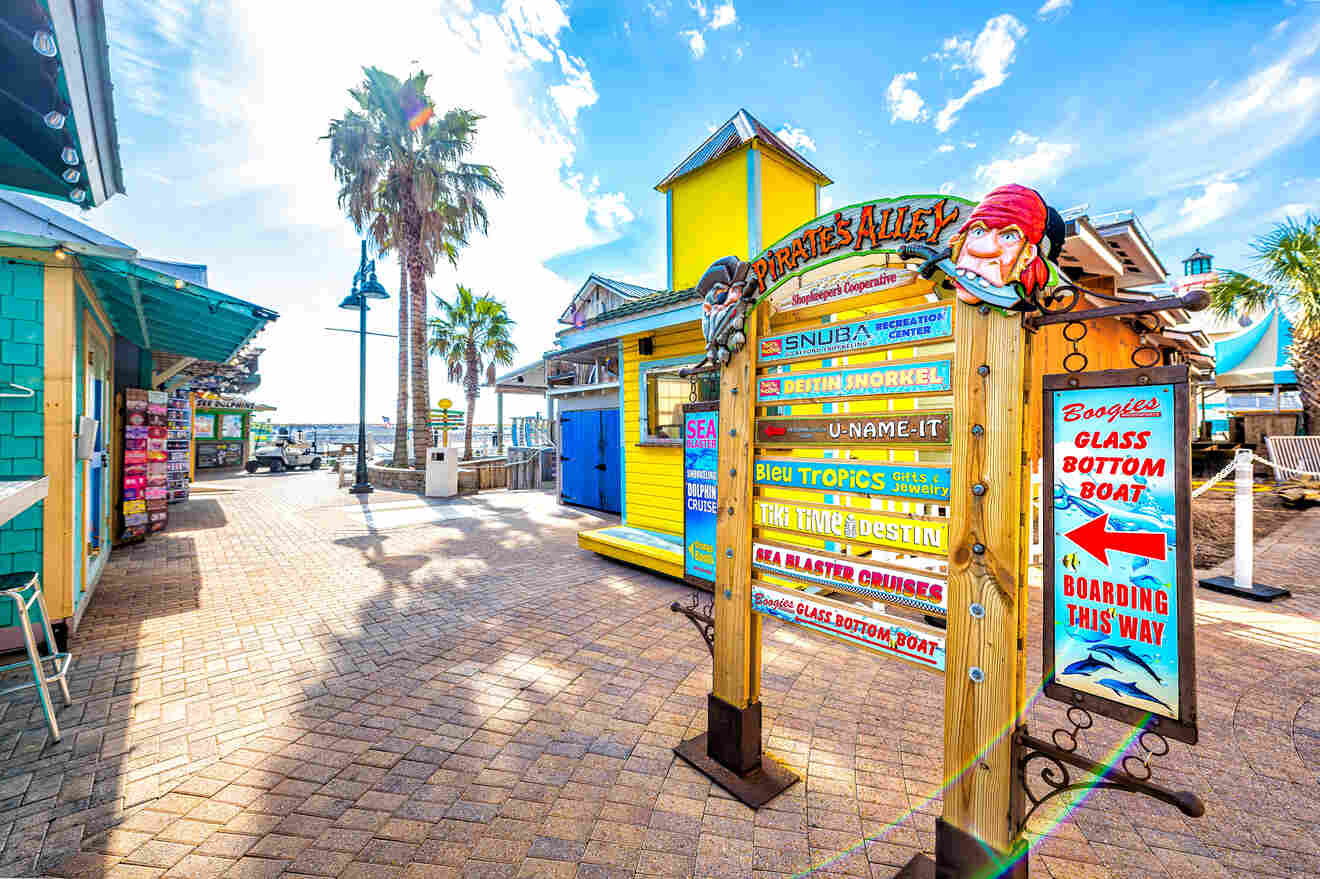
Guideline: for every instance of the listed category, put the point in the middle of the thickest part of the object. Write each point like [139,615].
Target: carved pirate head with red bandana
[1006,242]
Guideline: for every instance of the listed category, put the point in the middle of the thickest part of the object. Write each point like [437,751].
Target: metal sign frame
[1183,728]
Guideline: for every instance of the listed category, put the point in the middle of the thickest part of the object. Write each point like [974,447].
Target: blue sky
[1202,120]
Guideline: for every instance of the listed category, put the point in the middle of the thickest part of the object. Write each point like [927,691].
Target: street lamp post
[365,286]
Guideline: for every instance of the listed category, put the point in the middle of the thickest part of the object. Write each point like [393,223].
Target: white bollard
[1243,536]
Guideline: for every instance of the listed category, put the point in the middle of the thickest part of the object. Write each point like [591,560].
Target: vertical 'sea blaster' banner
[891,636]
[701,443]
[879,226]
[909,378]
[1119,605]
[912,327]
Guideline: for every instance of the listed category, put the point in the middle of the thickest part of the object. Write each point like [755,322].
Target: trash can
[441,472]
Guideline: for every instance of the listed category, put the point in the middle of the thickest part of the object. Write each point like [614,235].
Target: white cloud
[946,188]
[1218,198]
[723,16]
[1294,211]
[696,42]
[1043,163]
[798,58]
[698,7]
[577,90]
[989,57]
[610,210]
[969,144]
[1052,7]
[946,148]
[796,138]
[253,213]
[660,9]
[1021,137]
[905,104]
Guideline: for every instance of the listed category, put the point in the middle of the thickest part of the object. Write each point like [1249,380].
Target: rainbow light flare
[1108,761]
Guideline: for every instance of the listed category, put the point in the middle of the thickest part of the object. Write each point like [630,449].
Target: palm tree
[1288,262]
[473,335]
[402,174]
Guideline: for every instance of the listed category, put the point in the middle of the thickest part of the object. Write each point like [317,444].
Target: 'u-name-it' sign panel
[918,590]
[853,525]
[852,625]
[833,431]
[907,328]
[897,379]
[911,481]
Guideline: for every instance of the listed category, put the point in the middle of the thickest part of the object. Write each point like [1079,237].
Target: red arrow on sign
[1094,538]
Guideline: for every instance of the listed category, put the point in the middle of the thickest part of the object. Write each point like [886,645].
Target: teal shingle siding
[21,427]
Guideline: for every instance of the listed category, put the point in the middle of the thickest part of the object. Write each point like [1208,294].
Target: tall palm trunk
[401,406]
[1305,358]
[421,390]
[470,390]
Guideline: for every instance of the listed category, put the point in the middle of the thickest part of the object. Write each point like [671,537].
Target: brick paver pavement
[275,688]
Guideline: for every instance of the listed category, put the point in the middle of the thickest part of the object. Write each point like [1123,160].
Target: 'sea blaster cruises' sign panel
[1118,624]
[905,328]
[898,379]
[851,624]
[879,226]
[848,285]
[854,430]
[852,525]
[700,463]
[912,481]
[918,590]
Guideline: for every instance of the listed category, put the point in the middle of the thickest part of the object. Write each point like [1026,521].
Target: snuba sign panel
[1118,627]
[700,462]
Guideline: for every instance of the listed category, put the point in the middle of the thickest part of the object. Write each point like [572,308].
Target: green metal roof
[659,299]
[75,85]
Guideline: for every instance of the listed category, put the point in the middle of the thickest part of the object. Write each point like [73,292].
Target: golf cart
[286,452]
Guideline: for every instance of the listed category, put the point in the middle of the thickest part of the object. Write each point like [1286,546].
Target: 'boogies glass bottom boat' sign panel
[913,377]
[853,525]
[906,328]
[911,481]
[1117,554]
[919,590]
[852,625]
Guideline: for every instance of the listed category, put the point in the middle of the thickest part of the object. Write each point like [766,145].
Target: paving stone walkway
[281,685]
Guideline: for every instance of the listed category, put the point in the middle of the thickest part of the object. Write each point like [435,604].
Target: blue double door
[590,471]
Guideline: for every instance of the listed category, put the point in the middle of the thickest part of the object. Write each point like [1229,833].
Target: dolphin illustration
[1122,651]
[1132,691]
[1087,665]
[1084,636]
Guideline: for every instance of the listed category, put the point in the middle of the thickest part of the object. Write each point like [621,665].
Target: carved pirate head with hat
[1004,251]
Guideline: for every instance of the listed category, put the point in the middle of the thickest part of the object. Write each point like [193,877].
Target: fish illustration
[1122,651]
[1070,561]
[1087,665]
[1084,636]
[1132,691]
[1147,581]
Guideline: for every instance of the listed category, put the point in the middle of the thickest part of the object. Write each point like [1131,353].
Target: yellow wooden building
[614,387]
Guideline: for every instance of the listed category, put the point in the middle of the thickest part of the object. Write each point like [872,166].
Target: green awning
[156,311]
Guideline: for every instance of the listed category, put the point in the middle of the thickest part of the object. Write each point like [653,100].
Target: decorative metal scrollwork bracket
[1061,308]
[702,615]
[1060,757]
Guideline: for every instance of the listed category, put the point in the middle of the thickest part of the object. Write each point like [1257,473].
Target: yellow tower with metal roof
[743,186]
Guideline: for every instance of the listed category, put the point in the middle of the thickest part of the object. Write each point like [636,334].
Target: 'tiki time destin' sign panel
[911,481]
[858,525]
[1118,585]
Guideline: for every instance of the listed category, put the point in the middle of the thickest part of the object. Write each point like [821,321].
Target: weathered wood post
[985,673]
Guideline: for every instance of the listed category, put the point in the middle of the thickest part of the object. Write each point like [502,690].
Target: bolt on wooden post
[984,680]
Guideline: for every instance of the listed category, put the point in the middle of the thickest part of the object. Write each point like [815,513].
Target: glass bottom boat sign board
[1119,605]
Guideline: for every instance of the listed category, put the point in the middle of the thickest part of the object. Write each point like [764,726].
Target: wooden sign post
[984,683]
